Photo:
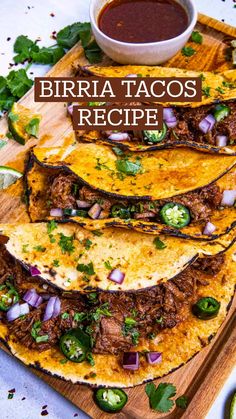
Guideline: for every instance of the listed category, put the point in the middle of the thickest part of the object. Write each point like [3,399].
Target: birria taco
[104,338]
[73,258]
[185,194]
[208,126]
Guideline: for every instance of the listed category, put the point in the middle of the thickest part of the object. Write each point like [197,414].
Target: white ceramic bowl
[150,53]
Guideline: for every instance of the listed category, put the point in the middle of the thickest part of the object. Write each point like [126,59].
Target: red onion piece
[16,311]
[168,114]
[154,357]
[130,361]
[228,198]
[34,271]
[221,140]
[94,211]
[171,124]
[82,204]
[53,308]
[209,229]
[56,212]
[131,75]
[119,136]
[70,108]
[116,276]
[32,298]
[207,124]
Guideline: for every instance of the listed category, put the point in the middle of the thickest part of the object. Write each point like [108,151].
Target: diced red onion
[207,124]
[131,75]
[228,198]
[116,276]
[168,114]
[34,271]
[70,108]
[53,308]
[131,361]
[94,211]
[32,298]
[171,124]
[119,136]
[154,357]
[56,212]
[169,117]
[82,204]
[209,229]
[221,140]
[16,311]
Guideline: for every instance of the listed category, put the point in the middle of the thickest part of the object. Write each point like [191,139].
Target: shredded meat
[62,191]
[153,309]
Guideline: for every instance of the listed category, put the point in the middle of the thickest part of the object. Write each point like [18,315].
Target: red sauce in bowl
[141,21]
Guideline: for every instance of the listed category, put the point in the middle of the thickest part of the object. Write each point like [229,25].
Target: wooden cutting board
[202,377]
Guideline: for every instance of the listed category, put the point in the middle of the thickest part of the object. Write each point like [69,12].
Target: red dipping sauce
[141,21]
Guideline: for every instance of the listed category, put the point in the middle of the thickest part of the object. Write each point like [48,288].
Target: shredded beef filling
[200,203]
[151,310]
[188,126]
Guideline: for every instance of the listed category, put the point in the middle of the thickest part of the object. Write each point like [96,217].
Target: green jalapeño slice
[221,111]
[8,296]
[74,345]
[175,215]
[206,308]
[111,399]
[155,136]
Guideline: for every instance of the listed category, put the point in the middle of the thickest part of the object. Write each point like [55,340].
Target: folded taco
[159,193]
[73,258]
[208,126]
[114,339]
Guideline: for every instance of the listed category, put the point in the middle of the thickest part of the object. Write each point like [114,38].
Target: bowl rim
[189,28]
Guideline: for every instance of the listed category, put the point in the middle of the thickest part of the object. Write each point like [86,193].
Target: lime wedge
[23,123]
[8,176]
[233,408]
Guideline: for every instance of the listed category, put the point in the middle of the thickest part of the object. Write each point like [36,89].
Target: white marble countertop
[33,18]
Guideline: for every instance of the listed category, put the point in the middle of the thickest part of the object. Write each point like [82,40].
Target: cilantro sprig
[160,397]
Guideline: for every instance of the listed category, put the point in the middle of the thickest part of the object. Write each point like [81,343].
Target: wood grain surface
[202,377]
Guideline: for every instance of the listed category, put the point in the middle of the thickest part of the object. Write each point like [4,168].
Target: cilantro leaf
[93,52]
[182,402]
[128,167]
[32,128]
[159,398]
[51,225]
[206,91]
[6,98]
[197,37]
[159,243]
[48,55]
[66,244]
[71,34]
[18,82]
[24,48]
[188,51]
[87,269]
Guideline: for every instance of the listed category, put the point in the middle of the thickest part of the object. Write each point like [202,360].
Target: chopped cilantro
[35,333]
[64,361]
[66,244]
[159,243]
[206,91]
[88,244]
[182,402]
[129,321]
[97,233]
[90,359]
[32,128]
[87,269]
[128,167]
[25,248]
[188,51]
[51,225]
[100,311]
[220,90]
[43,338]
[56,263]
[107,265]
[160,397]
[79,317]
[39,248]
[117,151]
[65,316]
[197,37]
